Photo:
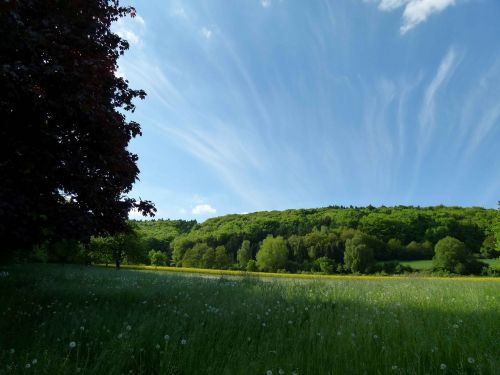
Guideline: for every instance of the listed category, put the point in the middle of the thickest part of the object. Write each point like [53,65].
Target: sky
[274,104]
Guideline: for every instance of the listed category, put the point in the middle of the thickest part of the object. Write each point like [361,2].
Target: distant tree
[488,248]
[451,255]
[222,260]
[116,249]
[192,257]
[208,258]
[244,254]
[272,254]
[358,256]
[297,248]
[157,257]
[65,164]
[395,248]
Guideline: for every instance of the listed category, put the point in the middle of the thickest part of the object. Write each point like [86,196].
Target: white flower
[166,337]
[471,360]
[281,372]
[183,342]
[290,322]
[157,346]
[12,351]
[455,326]
[129,328]
[269,372]
[375,337]
[82,328]
[442,366]
[394,367]
[72,344]
[28,365]
[34,361]
[120,335]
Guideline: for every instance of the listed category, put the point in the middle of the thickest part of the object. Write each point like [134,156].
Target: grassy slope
[119,320]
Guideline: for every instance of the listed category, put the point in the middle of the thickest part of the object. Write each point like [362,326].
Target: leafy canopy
[64,162]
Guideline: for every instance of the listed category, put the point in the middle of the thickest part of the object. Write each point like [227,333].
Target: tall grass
[69,319]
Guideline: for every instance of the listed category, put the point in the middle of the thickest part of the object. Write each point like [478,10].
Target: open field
[71,319]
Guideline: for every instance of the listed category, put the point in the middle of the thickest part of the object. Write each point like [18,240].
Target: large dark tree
[64,165]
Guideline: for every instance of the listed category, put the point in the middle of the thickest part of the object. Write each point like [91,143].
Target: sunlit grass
[69,319]
[306,276]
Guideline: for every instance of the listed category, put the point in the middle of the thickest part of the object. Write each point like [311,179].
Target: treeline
[304,240]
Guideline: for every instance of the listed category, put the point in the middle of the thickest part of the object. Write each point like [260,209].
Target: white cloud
[206,33]
[129,36]
[203,209]
[140,20]
[265,3]
[415,11]
[130,29]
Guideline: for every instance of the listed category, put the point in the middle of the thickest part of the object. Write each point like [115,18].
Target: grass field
[88,320]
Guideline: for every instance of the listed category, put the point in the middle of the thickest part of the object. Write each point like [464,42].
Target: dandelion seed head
[129,328]
[471,360]
[34,361]
[442,366]
[72,344]
[269,372]
[166,337]
[183,342]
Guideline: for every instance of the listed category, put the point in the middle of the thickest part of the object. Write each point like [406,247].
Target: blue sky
[267,104]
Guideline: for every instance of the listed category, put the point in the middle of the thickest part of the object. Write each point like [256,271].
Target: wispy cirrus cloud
[415,11]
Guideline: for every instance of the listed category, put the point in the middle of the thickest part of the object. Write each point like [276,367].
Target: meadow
[90,320]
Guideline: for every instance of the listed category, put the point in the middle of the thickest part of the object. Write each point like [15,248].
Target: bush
[158,258]
[452,256]
[251,266]
[325,265]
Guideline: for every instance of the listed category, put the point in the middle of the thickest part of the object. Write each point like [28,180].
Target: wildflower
[82,328]
[269,372]
[290,322]
[183,342]
[375,337]
[28,365]
[471,360]
[34,361]
[263,324]
[442,366]
[166,337]
[72,344]
[12,351]
[157,347]
[455,326]
[129,328]
[281,372]
[394,367]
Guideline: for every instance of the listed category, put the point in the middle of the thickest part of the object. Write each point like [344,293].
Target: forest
[327,240]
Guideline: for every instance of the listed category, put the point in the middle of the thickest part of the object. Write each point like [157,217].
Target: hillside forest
[327,240]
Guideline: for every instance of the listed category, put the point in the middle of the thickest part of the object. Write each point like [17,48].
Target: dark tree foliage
[64,161]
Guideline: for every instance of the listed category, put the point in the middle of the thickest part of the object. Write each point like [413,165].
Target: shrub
[451,255]
[252,266]
[157,257]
